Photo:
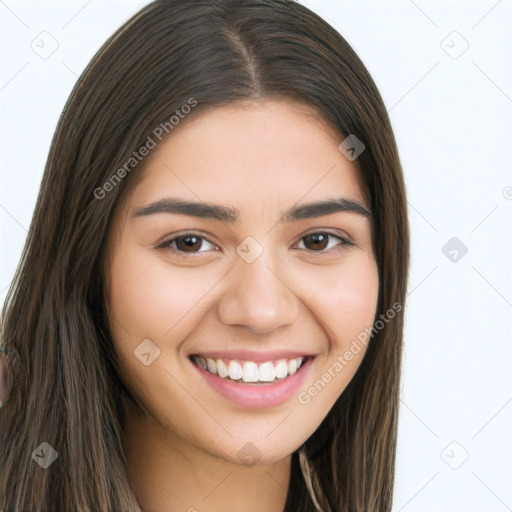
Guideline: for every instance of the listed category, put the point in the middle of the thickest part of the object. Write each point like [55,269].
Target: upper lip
[251,355]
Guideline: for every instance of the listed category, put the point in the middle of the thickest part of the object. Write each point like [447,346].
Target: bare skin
[309,295]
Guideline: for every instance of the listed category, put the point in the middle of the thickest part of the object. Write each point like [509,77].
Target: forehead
[250,154]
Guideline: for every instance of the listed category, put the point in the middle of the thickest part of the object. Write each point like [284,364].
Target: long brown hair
[66,390]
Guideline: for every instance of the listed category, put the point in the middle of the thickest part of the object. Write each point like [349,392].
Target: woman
[208,314]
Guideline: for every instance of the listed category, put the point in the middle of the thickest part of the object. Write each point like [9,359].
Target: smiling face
[247,288]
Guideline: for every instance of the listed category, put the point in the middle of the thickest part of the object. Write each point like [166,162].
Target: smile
[266,372]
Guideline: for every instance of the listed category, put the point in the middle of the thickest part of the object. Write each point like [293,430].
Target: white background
[451,112]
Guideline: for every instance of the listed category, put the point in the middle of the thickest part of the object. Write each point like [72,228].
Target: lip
[257,396]
[256,356]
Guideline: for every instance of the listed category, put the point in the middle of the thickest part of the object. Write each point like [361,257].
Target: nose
[257,297]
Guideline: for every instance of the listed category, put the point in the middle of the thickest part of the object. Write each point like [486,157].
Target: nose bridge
[257,296]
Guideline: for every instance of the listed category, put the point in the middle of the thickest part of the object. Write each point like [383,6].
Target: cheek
[345,298]
[345,309]
[356,296]
[146,300]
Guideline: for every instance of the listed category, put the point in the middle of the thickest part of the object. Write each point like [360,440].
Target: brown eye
[188,243]
[185,243]
[318,242]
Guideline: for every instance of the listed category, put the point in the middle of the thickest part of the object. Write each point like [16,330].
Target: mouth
[250,372]
[253,384]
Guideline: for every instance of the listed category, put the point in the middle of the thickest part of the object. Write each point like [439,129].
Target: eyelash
[165,244]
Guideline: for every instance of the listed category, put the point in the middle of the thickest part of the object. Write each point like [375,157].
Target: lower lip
[257,396]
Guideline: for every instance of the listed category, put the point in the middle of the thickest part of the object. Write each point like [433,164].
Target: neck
[168,474]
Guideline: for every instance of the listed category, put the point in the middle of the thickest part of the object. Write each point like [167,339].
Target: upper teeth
[250,371]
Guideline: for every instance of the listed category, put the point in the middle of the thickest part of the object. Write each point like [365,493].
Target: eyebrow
[232,215]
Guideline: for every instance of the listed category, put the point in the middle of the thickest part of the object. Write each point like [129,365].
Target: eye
[191,242]
[185,243]
[319,241]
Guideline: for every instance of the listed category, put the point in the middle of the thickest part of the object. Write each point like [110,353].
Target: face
[213,309]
